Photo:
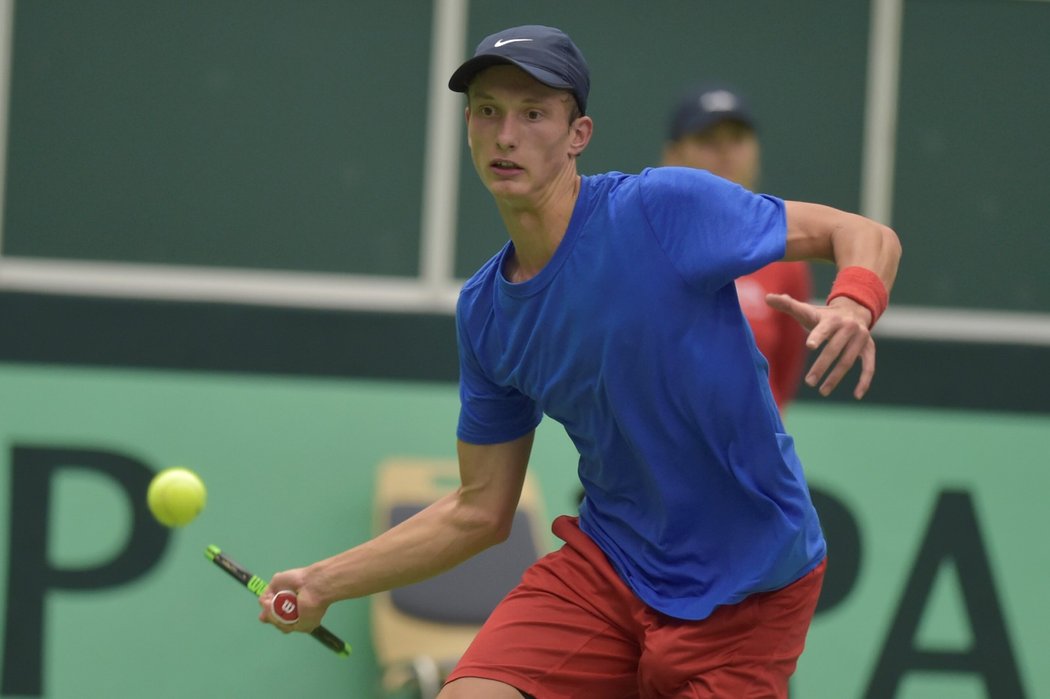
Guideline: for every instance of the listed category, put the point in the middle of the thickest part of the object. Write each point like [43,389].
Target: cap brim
[465,74]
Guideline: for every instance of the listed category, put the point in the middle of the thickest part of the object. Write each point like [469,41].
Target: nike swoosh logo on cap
[504,42]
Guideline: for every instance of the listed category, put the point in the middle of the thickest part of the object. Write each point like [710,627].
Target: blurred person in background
[713,128]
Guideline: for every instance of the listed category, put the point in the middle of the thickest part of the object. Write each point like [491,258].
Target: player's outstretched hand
[842,329]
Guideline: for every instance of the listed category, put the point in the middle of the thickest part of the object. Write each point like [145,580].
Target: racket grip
[331,640]
[284,608]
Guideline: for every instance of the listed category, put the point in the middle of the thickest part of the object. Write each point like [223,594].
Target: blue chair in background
[420,631]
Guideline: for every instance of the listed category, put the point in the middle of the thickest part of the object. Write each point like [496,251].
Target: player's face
[520,134]
[728,149]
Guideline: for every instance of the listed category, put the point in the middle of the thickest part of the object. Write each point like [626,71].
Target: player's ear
[580,134]
[466,118]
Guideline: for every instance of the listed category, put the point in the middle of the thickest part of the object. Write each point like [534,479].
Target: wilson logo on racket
[285,606]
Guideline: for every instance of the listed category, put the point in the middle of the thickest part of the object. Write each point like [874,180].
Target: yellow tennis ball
[175,496]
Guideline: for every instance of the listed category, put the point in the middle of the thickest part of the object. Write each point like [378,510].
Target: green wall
[227,134]
[972,152]
[290,136]
[290,467]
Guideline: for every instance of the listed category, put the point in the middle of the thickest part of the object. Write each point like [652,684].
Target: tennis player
[695,564]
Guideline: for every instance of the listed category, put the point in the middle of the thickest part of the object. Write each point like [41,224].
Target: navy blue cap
[705,106]
[545,53]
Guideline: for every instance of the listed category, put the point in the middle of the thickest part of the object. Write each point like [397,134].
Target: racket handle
[284,607]
[331,640]
[257,585]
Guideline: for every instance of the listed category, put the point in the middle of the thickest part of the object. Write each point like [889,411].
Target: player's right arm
[464,523]
[841,329]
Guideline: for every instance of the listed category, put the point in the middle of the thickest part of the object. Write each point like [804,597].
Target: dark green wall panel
[421,347]
[973,154]
[262,135]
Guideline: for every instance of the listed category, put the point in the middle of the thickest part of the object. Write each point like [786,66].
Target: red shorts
[573,629]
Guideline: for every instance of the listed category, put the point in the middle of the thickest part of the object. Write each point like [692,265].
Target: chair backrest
[439,617]
[468,593]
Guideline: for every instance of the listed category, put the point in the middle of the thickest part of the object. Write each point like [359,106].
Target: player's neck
[538,229]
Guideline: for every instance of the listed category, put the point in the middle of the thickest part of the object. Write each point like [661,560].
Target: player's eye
[534,115]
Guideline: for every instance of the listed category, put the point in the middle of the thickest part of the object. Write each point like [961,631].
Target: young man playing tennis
[696,562]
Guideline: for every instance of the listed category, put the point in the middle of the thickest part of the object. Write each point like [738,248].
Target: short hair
[574,111]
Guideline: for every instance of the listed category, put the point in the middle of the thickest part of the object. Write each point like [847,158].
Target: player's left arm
[843,327]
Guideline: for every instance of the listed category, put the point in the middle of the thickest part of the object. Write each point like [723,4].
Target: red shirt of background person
[712,129]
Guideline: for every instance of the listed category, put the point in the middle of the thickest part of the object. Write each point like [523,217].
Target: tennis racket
[285,605]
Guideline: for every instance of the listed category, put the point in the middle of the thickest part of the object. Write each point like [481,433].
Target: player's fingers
[804,313]
[827,356]
[267,618]
[843,363]
[823,331]
[867,372]
[265,599]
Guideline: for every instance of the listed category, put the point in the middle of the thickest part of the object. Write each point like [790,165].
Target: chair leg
[428,675]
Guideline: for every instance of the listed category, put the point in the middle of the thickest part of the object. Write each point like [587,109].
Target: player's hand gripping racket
[285,605]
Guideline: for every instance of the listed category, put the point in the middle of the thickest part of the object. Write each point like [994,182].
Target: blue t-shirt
[633,339]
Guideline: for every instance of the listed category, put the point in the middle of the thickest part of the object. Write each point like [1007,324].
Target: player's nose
[506,136]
